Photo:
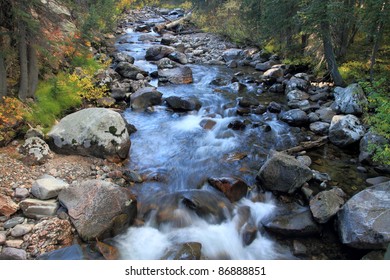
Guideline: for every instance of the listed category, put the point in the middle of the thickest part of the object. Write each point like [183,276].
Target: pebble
[13,254]
[3,238]
[13,222]
[21,193]
[20,230]
[14,243]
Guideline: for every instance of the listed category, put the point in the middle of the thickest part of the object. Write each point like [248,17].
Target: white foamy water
[219,241]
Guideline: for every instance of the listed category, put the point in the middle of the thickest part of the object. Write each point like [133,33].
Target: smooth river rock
[364,221]
[95,132]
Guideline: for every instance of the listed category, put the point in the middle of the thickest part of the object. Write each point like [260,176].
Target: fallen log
[172,24]
[307,145]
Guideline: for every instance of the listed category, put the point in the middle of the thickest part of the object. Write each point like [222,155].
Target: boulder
[95,132]
[364,221]
[297,94]
[178,75]
[248,102]
[123,57]
[369,139]
[275,72]
[304,105]
[48,187]
[345,130]
[297,83]
[99,209]
[264,66]
[145,97]
[155,53]
[325,114]
[294,117]
[299,223]
[350,100]
[184,251]
[36,209]
[233,188]
[7,206]
[128,70]
[326,204]
[178,57]
[283,173]
[274,107]
[166,63]
[320,128]
[49,234]
[232,54]
[183,104]
[35,151]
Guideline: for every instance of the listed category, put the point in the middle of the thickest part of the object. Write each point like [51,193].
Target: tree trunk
[32,71]
[23,63]
[3,71]
[329,54]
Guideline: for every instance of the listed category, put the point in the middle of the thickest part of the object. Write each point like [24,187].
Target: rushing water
[174,153]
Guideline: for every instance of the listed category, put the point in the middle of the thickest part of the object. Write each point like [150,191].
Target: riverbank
[212,120]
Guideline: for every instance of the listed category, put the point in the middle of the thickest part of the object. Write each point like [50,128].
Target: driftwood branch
[307,145]
[171,25]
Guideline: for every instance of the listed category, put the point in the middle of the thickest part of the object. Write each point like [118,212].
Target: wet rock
[35,151]
[183,104]
[178,57]
[313,117]
[366,142]
[248,102]
[278,88]
[300,223]
[167,39]
[299,249]
[176,208]
[274,107]
[13,254]
[297,83]
[264,66]
[128,70]
[48,235]
[123,57]
[326,204]
[178,75]
[99,209]
[155,53]
[20,230]
[259,110]
[13,222]
[166,63]
[7,206]
[143,28]
[48,187]
[321,177]
[207,124]
[36,209]
[305,160]
[145,97]
[120,94]
[232,54]
[294,117]
[237,87]
[95,132]
[364,221]
[73,252]
[377,180]
[320,128]
[233,188]
[34,132]
[237,125]
[323,96]
[350,100]
[345,130]
[275,72]
[132,176]
[304,105]
[326,114]
[185,251]
[283,173]
[297,95]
